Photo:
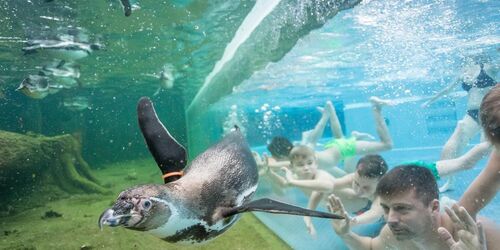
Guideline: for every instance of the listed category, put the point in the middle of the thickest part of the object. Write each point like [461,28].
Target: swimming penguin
[65,49]
[76,103]
[65,74]
[199,202]
[35,86]
[127,7]
[167,78]
[61,69]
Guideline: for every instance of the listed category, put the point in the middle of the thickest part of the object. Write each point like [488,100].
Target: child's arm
[314,200]
[261,163]
[318,184]
[282,182]
[369,216]
[346,192]
[272,163]
[484,187]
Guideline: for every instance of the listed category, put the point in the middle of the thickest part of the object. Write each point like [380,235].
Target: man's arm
[352,240]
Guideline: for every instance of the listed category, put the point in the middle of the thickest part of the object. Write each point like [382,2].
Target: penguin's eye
[146,204]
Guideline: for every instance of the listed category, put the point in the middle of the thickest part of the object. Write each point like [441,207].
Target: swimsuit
[482,81]
[429,165]
[474,114]
[366,208]
[346,147]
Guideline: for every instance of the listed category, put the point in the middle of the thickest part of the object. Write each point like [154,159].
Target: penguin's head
[137,208]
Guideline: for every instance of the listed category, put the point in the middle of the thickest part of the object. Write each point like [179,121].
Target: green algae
[78,229]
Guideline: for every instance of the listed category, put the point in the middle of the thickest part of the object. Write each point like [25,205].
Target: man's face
[407,217]
[364,186]
[304,166]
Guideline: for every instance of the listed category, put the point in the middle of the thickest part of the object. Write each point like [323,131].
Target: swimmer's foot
[378,102]
[362,136]
[448,185]
[321,110]
[329,107]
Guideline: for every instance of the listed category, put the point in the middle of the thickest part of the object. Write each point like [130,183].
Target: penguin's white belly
[178,224]
[67,54]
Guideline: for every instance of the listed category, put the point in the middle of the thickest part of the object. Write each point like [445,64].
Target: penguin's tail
[277,207]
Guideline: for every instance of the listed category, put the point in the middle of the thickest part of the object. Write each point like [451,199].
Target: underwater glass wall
[83,159]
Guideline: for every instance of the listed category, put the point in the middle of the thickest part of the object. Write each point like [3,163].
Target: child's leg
[350,164]
[465,130]
[338,172]
[311,137]
[382,130]
[362,136]
[385,143]
[466,161]
[334,121]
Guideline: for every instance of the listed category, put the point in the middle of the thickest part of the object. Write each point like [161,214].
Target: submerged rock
[51,214]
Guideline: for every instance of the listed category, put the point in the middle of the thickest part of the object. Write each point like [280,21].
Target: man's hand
[335,206]
[470,234]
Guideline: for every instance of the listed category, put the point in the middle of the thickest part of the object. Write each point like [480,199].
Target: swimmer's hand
[335,206]
[353,221]
[262,165]
[470,234]
[288,174]
[310,227]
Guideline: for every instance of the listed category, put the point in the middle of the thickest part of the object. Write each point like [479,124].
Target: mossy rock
[47,166]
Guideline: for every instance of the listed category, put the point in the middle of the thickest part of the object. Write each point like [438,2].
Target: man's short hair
[280,146]
[371,166]
[405,178]
[490,115]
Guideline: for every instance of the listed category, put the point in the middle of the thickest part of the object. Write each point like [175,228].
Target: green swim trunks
[429,165]
[346,146]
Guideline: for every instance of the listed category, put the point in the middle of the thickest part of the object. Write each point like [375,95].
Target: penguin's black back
[221,174]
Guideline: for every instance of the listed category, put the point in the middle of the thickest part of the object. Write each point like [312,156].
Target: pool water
[292,229]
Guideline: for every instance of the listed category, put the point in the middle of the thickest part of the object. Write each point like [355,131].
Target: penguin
[127,7]
[166,77]
[35,86]
[198,202]
[65,49]
[65,75]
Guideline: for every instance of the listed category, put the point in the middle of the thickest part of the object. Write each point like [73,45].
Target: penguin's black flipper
[127,7]
[276,207]
[168,153]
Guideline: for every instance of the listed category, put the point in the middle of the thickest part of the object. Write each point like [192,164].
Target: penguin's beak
[110,218]
[107,218]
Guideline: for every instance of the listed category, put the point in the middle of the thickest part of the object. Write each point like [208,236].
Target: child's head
[280,147]
[303,161]
[490,115]
[369,170]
